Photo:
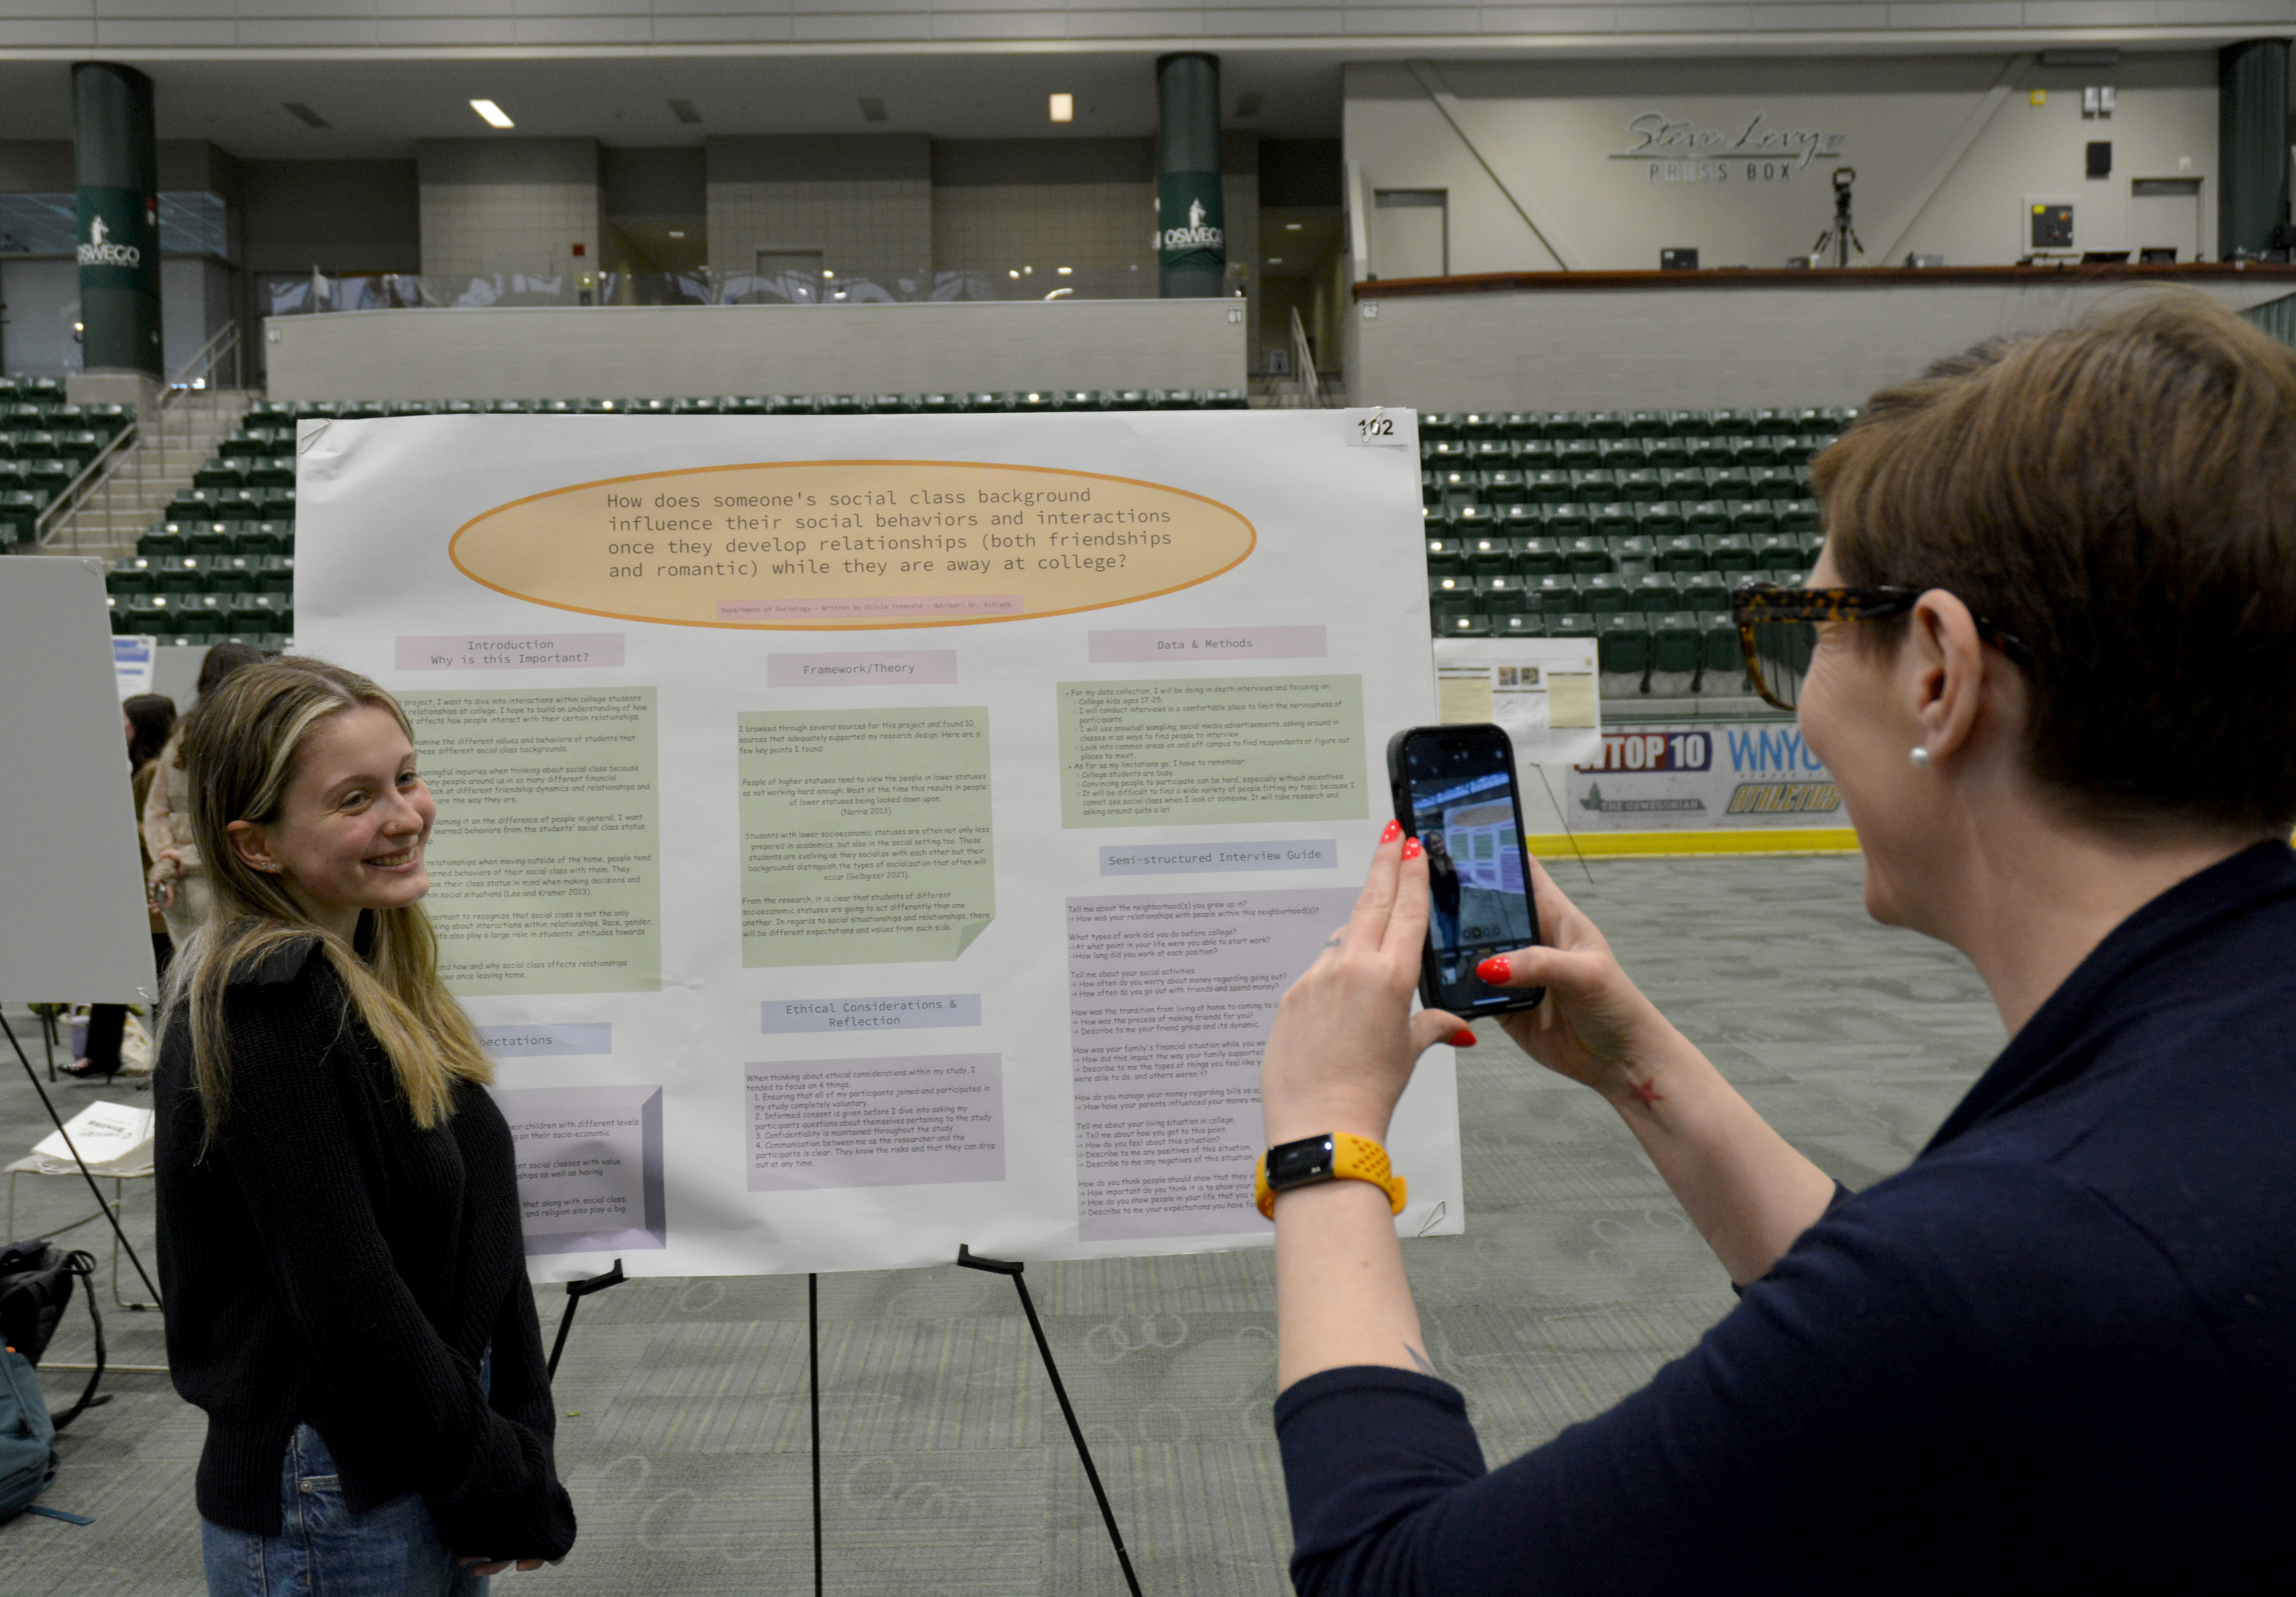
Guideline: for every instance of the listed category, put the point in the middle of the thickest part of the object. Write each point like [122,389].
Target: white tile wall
[480,228]
[1001,226]
[863,229]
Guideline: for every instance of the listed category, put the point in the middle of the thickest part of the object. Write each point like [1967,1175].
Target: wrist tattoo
[1646,1093]
[1420,1359]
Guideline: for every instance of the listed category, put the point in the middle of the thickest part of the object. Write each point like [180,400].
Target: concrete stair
[167,454]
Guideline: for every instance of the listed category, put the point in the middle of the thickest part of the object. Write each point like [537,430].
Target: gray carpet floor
[682,1433]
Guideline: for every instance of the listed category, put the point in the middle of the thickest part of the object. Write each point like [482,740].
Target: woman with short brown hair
[2055,676]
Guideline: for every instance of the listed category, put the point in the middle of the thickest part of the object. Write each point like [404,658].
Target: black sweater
[329,1261]
[2056,1353]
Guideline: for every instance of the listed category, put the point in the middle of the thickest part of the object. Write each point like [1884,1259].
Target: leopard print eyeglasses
[1777,629]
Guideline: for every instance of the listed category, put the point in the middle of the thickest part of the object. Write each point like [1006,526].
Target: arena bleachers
[44,443]
[1627,527]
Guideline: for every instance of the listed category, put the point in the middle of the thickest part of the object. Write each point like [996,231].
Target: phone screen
[1458,787]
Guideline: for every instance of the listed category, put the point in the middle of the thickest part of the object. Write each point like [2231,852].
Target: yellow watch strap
[1353,1158]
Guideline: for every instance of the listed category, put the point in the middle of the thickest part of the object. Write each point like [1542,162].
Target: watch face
[1296,1164]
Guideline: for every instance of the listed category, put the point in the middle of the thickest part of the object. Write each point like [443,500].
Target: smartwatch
[1335,1156]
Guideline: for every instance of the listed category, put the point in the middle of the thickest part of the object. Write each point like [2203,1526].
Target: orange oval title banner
[851,545]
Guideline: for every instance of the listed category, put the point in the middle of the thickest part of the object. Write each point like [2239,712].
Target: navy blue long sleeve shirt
[2056,1353]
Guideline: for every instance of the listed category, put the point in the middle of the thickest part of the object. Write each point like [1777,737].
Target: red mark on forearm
[1645,1093]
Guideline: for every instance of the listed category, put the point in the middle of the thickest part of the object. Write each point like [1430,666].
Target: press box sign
[1665,777]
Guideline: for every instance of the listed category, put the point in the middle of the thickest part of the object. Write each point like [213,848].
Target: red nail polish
[1411,849]
[1394,830]
[1463,1040]
[1497,970]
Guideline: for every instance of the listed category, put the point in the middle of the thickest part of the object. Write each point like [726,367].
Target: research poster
[862,835]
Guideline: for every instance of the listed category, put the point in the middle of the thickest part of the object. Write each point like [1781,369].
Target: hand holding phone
[1455,789]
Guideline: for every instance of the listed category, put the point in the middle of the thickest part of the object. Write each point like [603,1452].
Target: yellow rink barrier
[1746,840]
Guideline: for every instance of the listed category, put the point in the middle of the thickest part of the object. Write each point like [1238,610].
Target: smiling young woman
[339,1227]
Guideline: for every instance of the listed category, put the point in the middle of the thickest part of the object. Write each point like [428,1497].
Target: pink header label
[898,670]
[874,607]
[1185,643]
[523,651]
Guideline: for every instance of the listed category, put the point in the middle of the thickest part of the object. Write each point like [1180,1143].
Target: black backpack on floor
[36,1289]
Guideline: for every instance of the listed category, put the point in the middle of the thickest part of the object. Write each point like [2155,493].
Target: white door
[1410,233]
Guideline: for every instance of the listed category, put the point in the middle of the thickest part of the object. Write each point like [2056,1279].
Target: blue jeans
[323,1549]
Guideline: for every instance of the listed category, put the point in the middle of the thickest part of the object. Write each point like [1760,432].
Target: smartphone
[1455,791]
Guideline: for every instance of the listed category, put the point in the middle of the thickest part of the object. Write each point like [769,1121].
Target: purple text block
[589,1166]
[522,651]
[894,668]
[1124,644]
[818,1125]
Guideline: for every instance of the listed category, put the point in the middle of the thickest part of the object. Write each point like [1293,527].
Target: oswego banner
[858,836]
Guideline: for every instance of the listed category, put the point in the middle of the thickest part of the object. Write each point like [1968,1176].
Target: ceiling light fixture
[1292,227]
[683,109]
[872,108]
[492,115]
[1275,261]
[1063,108]
[1066,270]
[677,233]
[305,114]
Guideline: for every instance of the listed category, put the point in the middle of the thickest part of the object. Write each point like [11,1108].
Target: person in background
[176,876]
[2057,1352]
[147,719]
[339,1246]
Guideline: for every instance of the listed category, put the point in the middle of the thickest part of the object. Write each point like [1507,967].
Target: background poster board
[70,871]
[862,835]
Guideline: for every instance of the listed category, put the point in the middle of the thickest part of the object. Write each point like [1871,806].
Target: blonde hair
[242,748]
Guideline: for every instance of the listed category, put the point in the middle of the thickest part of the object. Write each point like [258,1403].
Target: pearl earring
[1920,756]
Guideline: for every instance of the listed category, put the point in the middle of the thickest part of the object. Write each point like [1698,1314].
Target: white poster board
[71,878]
[862,835]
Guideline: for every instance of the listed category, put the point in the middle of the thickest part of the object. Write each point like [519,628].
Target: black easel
[33,1076]
[576,1291]
[813,1372]
[970,1260]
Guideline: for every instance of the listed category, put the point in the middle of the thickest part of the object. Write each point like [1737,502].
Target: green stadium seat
[155,613]
[1550,487]
[1519,623]
[1605,423]
[132,574]
[1536,455]
[1470,519]
[1646,423]
[1655,593]
[1678,552]
[705,404]
[1523,427]
[1728,551]
[1707,451]
[509,408]
[1438,424]
[275,472]
[1722,660]
[166,538]
[1454,622]
[1623,645]
[260,613]
[1442,452]
[19,512]
[1573,623]
[232,574]
[1537,555]
[1475,426]
[275,574]
[1640,486]
[1665,452]
[1490,453]
[1522,521]
[1706,517]
[180,574]
[1491,556]
[1778,550]
[1774,483]
[1630,551]
[1456,484]
[1703,590]
[1596,487]
[1585,555]
[1435,520]
[940,404]
[264,538]
[1754,518]
[1604,594]
[1729,482]
[1455,587]
[1430,491]
[1752,451]
[1563,425]
[1446,557]
[1579,454]
[1657,521]
[1624,454]
[1036,401]
[1555,591]
[1674,641]
[1796,517]
[1683,485]
[1613,521]
[1225,399]
[1504,488]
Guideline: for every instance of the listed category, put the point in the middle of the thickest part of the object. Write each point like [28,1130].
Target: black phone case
[1399,799]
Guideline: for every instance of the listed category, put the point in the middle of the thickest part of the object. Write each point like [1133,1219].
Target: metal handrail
[77,492]
[191,376]
[1303,365]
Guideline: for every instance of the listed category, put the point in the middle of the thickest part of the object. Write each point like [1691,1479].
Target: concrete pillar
[116,161]
[1191,218]
[2251,145]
